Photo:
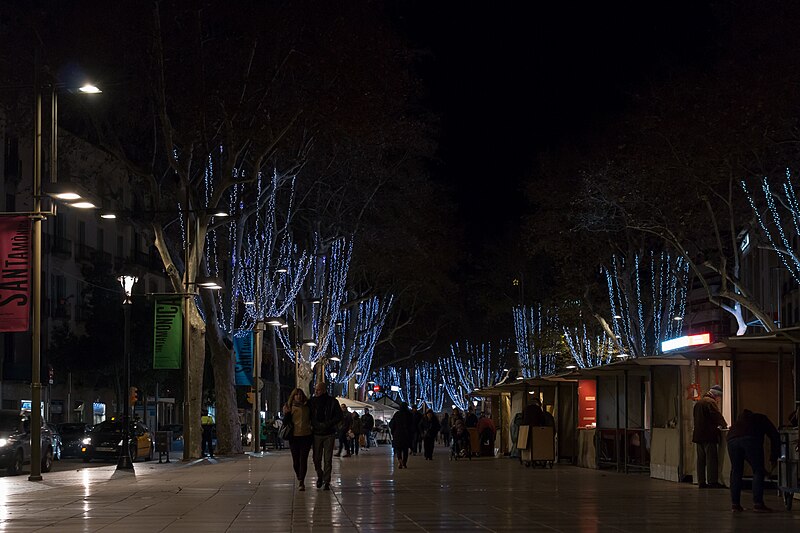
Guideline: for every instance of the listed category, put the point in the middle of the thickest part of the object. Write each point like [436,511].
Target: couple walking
[314,424]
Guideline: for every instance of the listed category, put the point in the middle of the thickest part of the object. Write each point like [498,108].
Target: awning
[524,385]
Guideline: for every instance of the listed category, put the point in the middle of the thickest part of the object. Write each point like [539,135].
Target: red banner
[15,273]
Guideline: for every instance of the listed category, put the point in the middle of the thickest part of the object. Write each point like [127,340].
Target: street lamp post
[256,386]
[37,215]
[124,462]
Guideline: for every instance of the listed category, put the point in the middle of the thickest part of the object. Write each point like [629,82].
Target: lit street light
[124,462]
[36,254]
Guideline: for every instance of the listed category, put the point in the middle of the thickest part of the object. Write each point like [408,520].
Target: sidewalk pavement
[369,494]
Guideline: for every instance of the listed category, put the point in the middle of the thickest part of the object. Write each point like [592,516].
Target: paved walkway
[259,494]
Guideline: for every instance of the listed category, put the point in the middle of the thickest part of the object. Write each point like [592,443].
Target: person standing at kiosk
[706,435]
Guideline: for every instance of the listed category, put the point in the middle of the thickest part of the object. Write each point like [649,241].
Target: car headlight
[3,442]
[87,441]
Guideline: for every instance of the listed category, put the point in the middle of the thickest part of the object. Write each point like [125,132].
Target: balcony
[85,253]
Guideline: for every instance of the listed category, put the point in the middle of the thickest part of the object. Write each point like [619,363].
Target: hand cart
[537,446]
[788,466]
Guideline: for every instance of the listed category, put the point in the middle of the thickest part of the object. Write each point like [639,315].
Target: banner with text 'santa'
[168,332]
[243,348]
[15,273]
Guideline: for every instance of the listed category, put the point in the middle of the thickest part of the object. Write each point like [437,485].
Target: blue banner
[243,348]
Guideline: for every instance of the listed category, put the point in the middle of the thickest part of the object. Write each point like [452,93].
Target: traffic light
[250,397]
[134,395]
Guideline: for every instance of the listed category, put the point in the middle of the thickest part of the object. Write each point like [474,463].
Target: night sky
[521,79]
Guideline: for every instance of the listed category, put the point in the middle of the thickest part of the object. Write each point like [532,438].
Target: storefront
[558,395]
[757,372]
[630,414]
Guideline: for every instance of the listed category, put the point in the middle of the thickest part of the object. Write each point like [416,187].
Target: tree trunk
[229,429]
[304,375]
[193,392]
[275,401]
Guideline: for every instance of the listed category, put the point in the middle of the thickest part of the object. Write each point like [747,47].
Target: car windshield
[108,425]
[71,429]
[9,422]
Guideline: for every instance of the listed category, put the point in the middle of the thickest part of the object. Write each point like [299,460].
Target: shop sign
[15,273]
[685,341]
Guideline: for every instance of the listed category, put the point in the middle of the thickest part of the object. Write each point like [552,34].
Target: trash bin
[163,444]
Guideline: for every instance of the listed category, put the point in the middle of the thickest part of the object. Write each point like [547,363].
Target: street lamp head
[83,205]
[89,89]
[213,284]
[74,194]
[127,283]
[334,358]
[108,216]
[274,321]
[310,342]
[333,375]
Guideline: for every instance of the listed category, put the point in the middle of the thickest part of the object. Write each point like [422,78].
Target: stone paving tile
[369,495]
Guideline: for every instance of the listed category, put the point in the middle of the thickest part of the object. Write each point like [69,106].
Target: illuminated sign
[687,340]
[376,388]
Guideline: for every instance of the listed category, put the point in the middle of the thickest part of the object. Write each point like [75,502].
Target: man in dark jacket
[472,419]
[325,416]
[707,422]
[534,415]
[746,443]
[367,425]
[345,425]
[416,431]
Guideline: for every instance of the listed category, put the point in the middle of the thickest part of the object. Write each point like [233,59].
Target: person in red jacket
[706,435]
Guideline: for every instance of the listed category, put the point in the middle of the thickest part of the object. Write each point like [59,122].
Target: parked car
[102,442]
[72,435]
[57,442]
[15,442]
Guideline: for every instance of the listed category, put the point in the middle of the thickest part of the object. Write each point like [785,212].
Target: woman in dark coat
[430,428]
[402,427]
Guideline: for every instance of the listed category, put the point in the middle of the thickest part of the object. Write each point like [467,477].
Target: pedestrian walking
[325,417]
[430,428]
[367,425]
[401,426]
[416,434]
[445,424]
[207,424]
[706,435]
[297,414]
[355,429]
[746,443]
[345,425]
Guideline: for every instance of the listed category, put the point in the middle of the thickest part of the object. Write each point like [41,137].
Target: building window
[12,165]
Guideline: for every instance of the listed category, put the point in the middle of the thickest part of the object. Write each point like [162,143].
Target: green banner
[168,332]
